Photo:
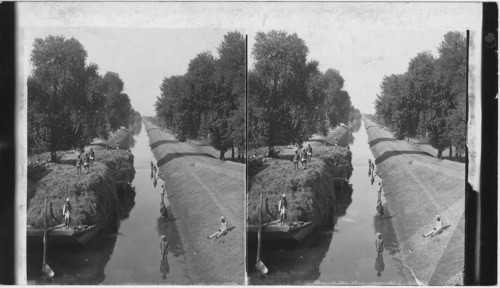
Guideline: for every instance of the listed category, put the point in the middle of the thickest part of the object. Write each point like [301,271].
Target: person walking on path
[380,208]
[296,160]
[379,244]
[282,205]
[309,152]
[67,214]
[79,164]
[437,229]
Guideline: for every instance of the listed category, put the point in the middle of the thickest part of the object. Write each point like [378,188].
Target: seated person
[222,230]
[437,229]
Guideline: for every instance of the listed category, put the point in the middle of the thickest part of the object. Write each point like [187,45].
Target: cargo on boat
[80,234]
[274,231]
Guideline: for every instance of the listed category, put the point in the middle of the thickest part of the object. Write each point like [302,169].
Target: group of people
[304,155]
[85,160]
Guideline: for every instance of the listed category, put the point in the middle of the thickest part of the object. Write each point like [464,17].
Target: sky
[145,42]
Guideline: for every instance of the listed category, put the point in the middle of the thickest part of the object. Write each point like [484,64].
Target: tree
[118,106]
[63,96]
[279,87]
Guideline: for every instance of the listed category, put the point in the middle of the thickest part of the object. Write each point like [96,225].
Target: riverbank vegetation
[429,99]
[69,102]
[209,99]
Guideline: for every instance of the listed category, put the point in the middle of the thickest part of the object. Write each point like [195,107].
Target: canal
[343,253]
[128,253]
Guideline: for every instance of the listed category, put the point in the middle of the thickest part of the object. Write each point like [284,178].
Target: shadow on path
[378,140]
[172,156]
[389,154]
[158,143]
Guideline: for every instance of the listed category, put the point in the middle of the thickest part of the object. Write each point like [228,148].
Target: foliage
[209,100]
[69,103]
[429,99]
[290,99]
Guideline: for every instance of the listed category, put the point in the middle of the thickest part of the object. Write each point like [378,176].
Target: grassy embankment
[309,190]
[201,189]
[93,195]
[417,187]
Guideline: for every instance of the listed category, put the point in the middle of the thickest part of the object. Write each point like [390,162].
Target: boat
[274,231]
[80,234]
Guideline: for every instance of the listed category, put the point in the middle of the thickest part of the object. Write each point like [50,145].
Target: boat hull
[60,235]
[275,232]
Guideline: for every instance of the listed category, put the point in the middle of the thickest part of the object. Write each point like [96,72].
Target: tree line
[290,99]
[429,99]
[69,102]
[209,99]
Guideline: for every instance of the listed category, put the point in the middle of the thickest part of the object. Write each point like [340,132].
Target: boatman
[67,214]
[282,205]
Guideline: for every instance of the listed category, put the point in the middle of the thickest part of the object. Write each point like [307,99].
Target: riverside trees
[289,98]
[209,100]
[69,103]
[429,99]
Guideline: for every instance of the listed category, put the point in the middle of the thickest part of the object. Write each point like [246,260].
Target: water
[132,255]
[344,253]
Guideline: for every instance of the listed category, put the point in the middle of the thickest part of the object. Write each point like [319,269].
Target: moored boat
[290,231]
[80,234]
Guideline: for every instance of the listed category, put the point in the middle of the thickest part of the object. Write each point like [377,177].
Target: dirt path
[201,189]
[419,186]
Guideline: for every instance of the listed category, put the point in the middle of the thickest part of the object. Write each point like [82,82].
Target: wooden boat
[290,231]
[81,234]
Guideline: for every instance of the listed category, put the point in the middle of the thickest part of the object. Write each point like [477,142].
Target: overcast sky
[145,42]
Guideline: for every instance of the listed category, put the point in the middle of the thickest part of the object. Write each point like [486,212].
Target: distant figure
[164,247]
[222,230]
[335,142]
[296,160]
[151,167]
[282,205]
[152,175]
[92,156]
[380,208]
[79,164]
[163,191]
[163,210]
[86,162]
[67,213]
[373,179]
[437,229]
[370,163]
[303,159]
[309,152]
[370,171]
[379,190]
[155,182]
[379,244]
[117,145]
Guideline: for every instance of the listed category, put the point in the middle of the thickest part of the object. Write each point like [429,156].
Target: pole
[259,264]
[47,271]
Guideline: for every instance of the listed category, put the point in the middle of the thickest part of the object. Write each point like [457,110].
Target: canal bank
[201,189]
[418,187]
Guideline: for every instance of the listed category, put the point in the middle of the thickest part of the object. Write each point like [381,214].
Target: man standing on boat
[67,214]
[282,205]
